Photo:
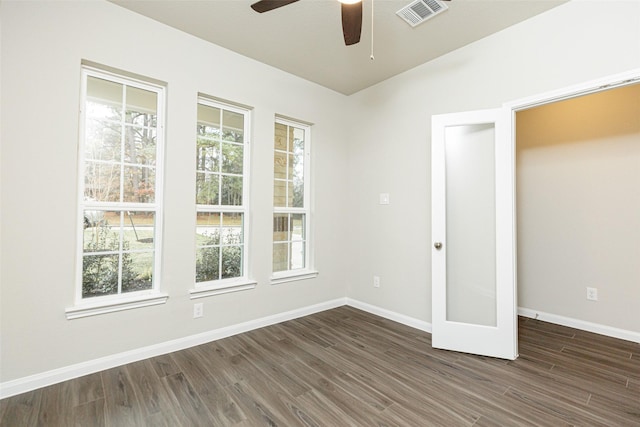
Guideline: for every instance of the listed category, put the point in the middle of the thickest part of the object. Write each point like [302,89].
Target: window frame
[308,270]
[242,282]
[88,306]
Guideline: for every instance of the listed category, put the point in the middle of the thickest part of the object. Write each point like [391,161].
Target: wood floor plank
[56,405]
[217,363]
[223,407]
[89,414]
[319,407]
[570,412]
[193,367]
[164,365]
[280,374]
[21,410]
[121,404]
[622,411]
[622,366]
[153,396]
[86,389]
[259,409]
[346,367]
[539,381]
[188,401]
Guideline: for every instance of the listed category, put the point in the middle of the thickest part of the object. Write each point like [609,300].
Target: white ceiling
[305,38]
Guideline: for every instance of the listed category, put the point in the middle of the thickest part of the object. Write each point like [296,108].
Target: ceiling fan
[351,14]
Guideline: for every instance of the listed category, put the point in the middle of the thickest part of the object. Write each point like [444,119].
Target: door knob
[437,245]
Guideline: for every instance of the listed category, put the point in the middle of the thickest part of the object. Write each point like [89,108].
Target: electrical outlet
[592,294]
[198,310]
[376,281]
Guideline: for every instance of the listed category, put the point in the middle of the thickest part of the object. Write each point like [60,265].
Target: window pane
[280,257]
[298,141]
[297,227]
[137,271]
[280,165]
[207,189]
[209,132]
[232,228]
[140,146]
[104,99]
[297,255]
[101,231]
[102,181]
[210,117]
[207,264]
[207,228]
[280,193]
[280,227]
[233,126]
[231,190]
[93,218]
[232,158]
[99,275]
[138,230]
[141,106]
[280,140]
[297,190]
[208,155]
[139,184]
[102,140]
[231,261]
[297,175]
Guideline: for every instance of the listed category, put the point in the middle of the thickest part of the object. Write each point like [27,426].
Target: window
[291,199]
[222,184]
[121,146]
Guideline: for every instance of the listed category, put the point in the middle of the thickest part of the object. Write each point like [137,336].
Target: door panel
[471,239]
[473,257]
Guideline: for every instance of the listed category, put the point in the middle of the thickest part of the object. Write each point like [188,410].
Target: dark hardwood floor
[345,367]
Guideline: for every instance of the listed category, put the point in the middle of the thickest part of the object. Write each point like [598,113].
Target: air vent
[420,10]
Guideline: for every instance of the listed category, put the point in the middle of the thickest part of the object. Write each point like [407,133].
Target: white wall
[390,150]
[42,46]
[384,146]
[578,191]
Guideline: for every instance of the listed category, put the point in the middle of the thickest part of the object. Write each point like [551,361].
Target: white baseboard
[32,382]
[391,315]
[622,334]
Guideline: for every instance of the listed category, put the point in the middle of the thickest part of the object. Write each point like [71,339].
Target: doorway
[578,210]
[499,339]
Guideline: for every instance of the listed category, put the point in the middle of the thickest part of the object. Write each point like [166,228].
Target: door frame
[512,107]
[612,81]
[592,86]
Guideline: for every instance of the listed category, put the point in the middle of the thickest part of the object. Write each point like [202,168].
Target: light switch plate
[384,198]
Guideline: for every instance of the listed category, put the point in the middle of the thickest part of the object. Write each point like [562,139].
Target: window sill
[121,304]
[207,291]
[292,276]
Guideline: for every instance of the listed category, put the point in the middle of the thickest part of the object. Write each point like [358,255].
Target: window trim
[308,271]
[221,286]
[84,307]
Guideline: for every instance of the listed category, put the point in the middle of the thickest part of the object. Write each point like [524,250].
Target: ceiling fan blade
[267,5]
[351,22]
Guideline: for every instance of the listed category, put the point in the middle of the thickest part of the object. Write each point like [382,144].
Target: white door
[474,307]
